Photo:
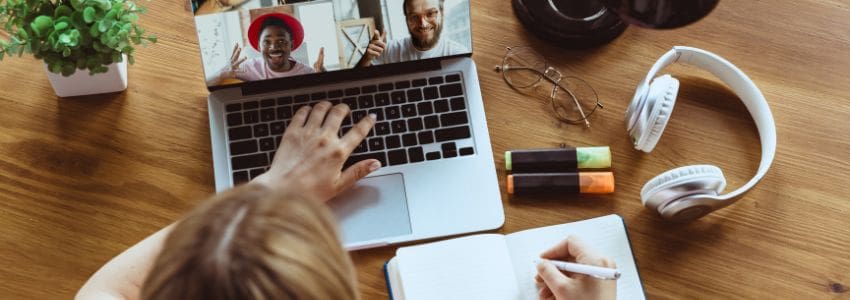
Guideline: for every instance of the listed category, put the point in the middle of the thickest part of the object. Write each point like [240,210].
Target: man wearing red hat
[275,36]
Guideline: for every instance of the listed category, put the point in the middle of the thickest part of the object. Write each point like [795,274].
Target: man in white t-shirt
[275,35]
[425,23]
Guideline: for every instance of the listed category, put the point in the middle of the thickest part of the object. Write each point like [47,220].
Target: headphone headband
[738,82]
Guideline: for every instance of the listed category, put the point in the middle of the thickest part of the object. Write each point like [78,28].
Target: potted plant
[70,35]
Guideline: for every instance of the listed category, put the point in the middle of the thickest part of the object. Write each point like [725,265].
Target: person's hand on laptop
[554,284]
[376,47]
[309,161]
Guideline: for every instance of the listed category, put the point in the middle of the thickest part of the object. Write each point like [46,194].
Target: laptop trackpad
[375,208]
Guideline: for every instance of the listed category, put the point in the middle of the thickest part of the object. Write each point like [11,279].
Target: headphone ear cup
[684,181]
[661,98]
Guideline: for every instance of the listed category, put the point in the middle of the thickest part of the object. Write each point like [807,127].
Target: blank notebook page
[604,235]
[474,267]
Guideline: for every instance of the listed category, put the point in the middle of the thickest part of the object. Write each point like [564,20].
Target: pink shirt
[257,69]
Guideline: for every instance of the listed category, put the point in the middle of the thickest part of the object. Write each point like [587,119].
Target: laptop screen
[252,40]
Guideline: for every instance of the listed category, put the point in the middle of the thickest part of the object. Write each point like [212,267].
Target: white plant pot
[81,83]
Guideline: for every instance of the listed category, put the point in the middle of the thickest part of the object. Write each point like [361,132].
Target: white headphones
[690,192]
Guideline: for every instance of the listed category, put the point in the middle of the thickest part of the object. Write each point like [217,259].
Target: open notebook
[495,266]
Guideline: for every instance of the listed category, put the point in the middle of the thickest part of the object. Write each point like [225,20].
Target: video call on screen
[249,40]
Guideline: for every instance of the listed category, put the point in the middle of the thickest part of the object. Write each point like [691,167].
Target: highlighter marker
[557,160]
[561,183]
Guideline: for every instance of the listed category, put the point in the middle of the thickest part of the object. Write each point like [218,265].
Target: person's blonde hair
[253,243]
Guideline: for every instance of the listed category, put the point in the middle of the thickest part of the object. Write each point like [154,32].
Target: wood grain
[83,179]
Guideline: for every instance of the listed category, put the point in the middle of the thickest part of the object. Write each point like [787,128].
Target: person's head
[276,43]
[253,243]
[424,22]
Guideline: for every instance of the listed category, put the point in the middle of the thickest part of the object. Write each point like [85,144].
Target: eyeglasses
[430,16]
[573,99]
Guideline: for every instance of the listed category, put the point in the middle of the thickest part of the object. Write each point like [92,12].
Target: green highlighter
[558,159]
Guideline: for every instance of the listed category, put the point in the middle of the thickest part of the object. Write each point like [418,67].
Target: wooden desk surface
[83,179]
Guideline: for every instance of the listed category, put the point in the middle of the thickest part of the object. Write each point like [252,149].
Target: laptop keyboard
[413,116]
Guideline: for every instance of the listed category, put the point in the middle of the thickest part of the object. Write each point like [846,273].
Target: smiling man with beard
[275,36]
[425,23]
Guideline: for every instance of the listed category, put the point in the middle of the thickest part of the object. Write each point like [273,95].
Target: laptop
[263,60]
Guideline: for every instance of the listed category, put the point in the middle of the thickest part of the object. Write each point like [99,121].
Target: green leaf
[152,38]
[77,4]
[131,59]
[136,40]
[62,10]
[60,25]
[66,52]
[116,57]
[102,26]
[93,31]
[88,14]
[68,69]
[55,67]
[65,38]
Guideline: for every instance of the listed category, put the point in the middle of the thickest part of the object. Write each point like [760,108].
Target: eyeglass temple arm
[575,100]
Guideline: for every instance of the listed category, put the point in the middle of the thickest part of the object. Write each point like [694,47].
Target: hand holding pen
[552,283]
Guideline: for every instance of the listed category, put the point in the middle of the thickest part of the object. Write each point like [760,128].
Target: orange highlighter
[561,183]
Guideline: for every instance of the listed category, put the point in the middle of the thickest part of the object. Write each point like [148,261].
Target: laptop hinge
[285,83]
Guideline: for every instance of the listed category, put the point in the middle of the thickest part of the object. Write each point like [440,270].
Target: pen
[598,272]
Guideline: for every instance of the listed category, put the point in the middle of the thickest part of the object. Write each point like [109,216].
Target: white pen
[595,271]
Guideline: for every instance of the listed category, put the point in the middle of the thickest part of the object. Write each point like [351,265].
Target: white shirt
[257,69]
[403,50]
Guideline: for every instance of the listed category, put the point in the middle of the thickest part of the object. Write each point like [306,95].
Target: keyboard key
[430,93]
[267,115]
[399,126]
[271,155]
[233,107]
[408,110]
[414,95]
[357,115]
[414,124]
[243,147]
[335,94]
[441,106]
[397,157]
[277,128]
[318,96]
[362,147]
[251,117]
[398,97]
[408,140]
[284,100]
[451,90]
[380,156]
[250,105]
[301,98]
[379,113]
[277,141]
[261,130]
[351,101]
[458,103]
[402,84]
[267,144]
[455,118]
[415,154]
[385,86]
[249,161]
[435,80]
[284,113]
[466,151]
[382,99]
[238,133]
[453,133]
[257,172]
[452,78]
[352,91]
[234,119]
[267,103]
[368,89]
[425,137]
[382,128]
[449,153]
[334,102]
[432,155]
[392,142]
[346,121]
[240,177]
[392,113]
[448,146]
[419,82]
[365,101]
[431,122]
[425,108]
